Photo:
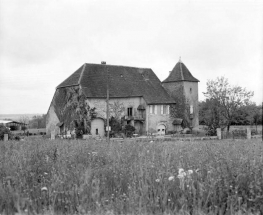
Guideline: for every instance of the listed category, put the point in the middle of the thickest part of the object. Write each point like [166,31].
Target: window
[168,109]
[97,131]
[190,90]
[153,109]
[164,109]
[191,109]
[129,111]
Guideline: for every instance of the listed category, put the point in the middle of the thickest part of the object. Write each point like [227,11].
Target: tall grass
[80,177]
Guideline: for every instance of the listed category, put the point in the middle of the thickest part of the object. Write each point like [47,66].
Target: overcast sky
[43,42]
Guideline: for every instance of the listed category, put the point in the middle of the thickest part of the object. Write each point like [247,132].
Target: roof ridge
[81,74]
[118,65]
[182,75]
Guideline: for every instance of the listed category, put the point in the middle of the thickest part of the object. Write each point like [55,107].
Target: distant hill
[16,117]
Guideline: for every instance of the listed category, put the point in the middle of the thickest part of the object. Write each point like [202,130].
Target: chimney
[103,62]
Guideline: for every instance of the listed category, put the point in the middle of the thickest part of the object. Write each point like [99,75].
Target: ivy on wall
[70,105]
[182,107]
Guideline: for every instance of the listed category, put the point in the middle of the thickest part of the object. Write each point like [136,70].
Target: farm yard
[151,177]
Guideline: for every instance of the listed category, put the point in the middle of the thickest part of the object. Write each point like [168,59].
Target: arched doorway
[97,127]
[161,129]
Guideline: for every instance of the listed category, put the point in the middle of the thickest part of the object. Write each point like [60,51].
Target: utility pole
[108,124]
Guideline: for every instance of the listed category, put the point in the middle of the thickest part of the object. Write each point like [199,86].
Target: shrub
[239,134]
[129,130]
[13,128]
[17,137]
[79,129]
[4,130]
[115,125]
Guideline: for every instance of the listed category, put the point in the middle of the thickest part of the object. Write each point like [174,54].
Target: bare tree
[25,120]
[117,109]
[228,98]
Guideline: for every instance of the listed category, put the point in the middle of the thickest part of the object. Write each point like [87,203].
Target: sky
[43,42]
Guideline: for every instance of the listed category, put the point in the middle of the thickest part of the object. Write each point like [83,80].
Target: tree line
[227,105]
[37,121]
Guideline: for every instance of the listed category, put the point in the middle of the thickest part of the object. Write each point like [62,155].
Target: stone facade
[134,93]
[186,95]
[52,121]
[191,95]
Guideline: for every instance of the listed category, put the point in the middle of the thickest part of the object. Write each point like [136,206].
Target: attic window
[146,75]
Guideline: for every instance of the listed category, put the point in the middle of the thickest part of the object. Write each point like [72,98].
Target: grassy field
[80,177]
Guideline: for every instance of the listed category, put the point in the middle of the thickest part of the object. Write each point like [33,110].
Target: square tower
[183,87]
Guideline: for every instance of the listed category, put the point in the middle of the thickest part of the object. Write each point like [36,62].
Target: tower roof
[180,73]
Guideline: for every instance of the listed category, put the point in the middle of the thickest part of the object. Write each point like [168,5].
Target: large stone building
[137,97]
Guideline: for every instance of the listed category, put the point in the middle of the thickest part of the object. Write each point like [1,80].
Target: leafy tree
[115,125]
[70,104]
[210,115]
[250,114]
[228,98]
[182,108]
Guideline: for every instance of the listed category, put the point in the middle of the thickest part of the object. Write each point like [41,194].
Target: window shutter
[151,109]
[162,109]
[155,109]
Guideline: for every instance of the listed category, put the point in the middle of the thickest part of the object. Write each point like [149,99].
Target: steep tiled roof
[180,73]
[72,80]
[124,81]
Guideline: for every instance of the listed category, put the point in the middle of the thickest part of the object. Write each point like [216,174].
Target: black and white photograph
[131,107]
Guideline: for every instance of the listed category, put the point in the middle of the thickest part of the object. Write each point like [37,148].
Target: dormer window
[145,74]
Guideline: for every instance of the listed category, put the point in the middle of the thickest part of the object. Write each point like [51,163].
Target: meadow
[40,176]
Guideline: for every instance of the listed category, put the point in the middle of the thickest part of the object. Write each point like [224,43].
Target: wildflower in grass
[94,153]
[171,178]
[45,173]
[47,158]
[157,180]
[44,189]
[181,173]
[189,173]
[181,176]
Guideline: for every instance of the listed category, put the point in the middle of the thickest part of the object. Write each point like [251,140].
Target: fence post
[218,133]
[248,133]
[5,137]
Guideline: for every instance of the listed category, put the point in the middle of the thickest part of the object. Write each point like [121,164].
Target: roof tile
[180,73]
[124,81]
